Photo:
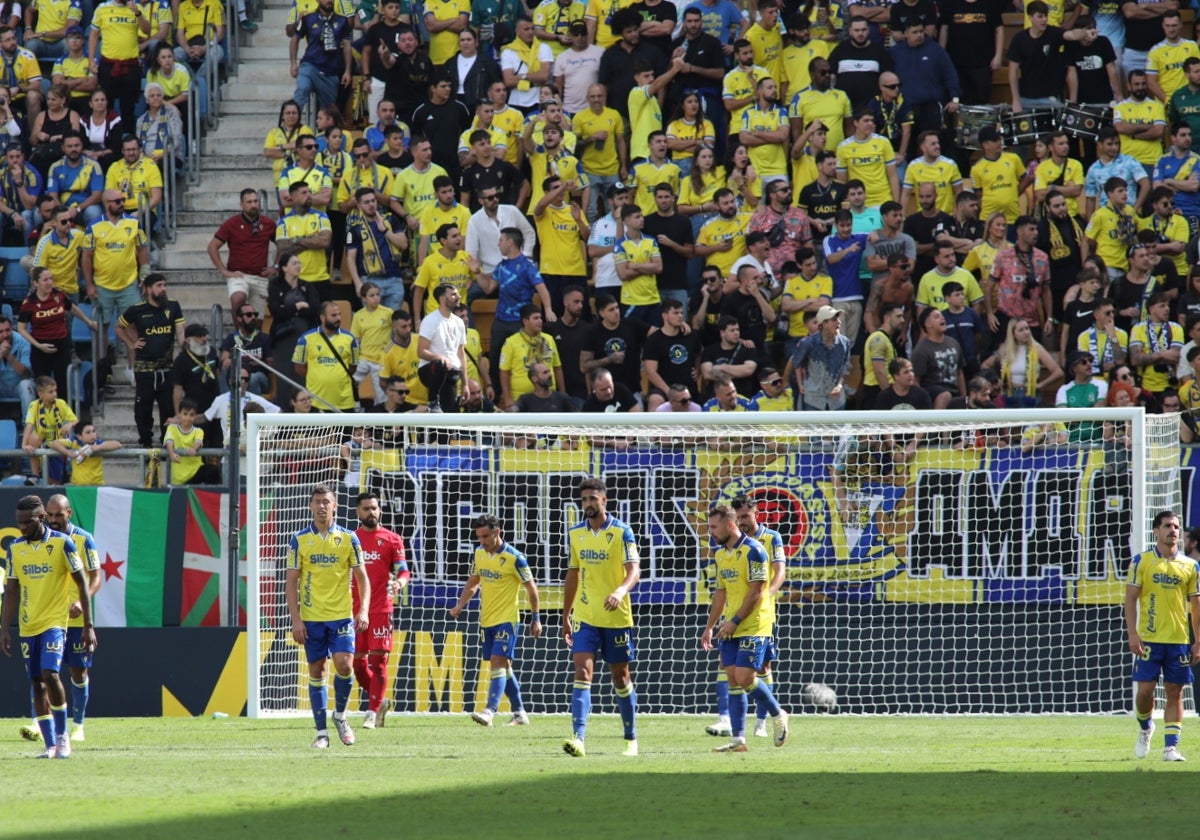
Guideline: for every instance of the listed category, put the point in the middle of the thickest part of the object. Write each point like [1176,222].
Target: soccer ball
[821,696]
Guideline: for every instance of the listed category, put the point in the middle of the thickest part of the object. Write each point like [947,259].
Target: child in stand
[963,324]
[84,449]
[351,453]
[184,440]
[372,326]
[48,419]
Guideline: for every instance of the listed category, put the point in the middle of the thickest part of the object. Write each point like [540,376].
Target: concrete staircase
[231,160]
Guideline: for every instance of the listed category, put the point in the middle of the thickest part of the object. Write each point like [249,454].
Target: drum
[1085,121]
[971,118]
[1027,126]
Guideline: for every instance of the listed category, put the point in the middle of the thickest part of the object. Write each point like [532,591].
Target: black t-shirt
[1091,68]
[621,402]
[972,31]
[676,356]
[156,325]
[381,33]
[902,14]
[924,230]
[916,398]
[704,52]
[1041,62]
[750,318]
[1163,278]
[571,340]
[199,376]
[969,229]
[533,404]
[664,10]
[740,354]
[1063,269]
[407,84]
[442,125]
[857,70]
[501,175]
[679,229]
[822,202]
[258,346]
[1141,34]
[395,164]
[628,337]
[1078,316]
[616,72]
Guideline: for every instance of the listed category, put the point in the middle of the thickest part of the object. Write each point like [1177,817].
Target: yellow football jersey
[1165,585]
[326,376]
[602,160]
[1049,173]
[797,288]
[942,173]
[1166,61]
[520,352]
[314,262]
[737,569]
[868,161]
[43,569]
[1113,233]
[501,577]
[1145,113]
[85,547]
[601,557]
[324,562]
[641,290]
[831,107]
[998,181]
[645,177]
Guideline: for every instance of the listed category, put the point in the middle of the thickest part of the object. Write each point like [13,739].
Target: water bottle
[219,715]
[83,453]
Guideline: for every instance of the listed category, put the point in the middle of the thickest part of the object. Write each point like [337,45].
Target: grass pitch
[433,777]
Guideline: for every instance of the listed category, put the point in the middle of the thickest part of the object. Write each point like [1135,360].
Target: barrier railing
[143,456]
[191,162]
[231,37]
[169,213]
[212,74]
[75,389]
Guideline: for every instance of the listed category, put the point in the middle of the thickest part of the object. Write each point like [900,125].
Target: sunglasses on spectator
[250,314]
[775,382]
[401,391]
[243,378]
[488,197]
[308,146]
[890,87]
[361,155]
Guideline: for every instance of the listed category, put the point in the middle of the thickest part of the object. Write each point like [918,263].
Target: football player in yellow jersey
[996,175]
[764,130]
[445,211]
[742,615]
[738,89]
[870,158]
[78,655]
[1161,589]
[746,508]
[498,573]
[603,568]
[320,560]
[934,169]
[1141,120]
[1164,61]
[42,565]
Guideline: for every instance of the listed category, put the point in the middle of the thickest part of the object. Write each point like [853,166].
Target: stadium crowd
[676,207]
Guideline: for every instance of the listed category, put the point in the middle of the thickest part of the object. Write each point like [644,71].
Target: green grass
[430,777]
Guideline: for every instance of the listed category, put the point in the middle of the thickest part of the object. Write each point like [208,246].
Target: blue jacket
[926,73]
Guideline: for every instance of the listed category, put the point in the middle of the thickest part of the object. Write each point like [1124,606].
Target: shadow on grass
[574,801]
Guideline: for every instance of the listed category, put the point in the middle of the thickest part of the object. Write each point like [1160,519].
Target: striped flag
[130,527]
[205,601]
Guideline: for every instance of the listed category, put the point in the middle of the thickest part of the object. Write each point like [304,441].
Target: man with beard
[904,393]
[786,225]
[327,58]
[248,236]
[615,343]
[934,168]
[928,76]
[1170,229]
[406,73]
[966,231]
[1061,171]
[798,52]
[195,373]
[543,399]
[821,101]
[570,333]
[1061,237]
[893,117]
[76,181]
[113,258]
[516,280]
[879,351]
[400,361]
[926,226]
[703,72]
[374,248]
[1112,163]
[730,358]
[1176,170]
[308,232]
[442,119]
[609,397]
[1141,121]
[673,233]
[670,355]
[1019,283]
[857,63]
[823,197]
[618,65]
[738,91]
[150,330]
[712,291]
[722,239]
[763,130]
[324,358]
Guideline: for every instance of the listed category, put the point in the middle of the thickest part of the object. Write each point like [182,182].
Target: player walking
[387,572]
[42,564]
[1160,584]
[320,560]
[603,569]
[745,634]
[498,573]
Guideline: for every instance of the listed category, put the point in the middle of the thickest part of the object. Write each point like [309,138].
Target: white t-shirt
[579,70]
[220,409]
[604,235]
[509,60]
[464,67]
[446,335]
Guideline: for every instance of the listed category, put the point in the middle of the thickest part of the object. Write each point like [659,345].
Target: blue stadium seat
[80,334]
[8,434]
[16,278]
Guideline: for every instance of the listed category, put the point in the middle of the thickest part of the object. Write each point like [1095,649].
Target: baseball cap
[195,330]
[72,31]
[618,187]
[1080,356]
[827,313]
[578,28]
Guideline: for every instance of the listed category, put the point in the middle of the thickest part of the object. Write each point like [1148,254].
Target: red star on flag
[111,567]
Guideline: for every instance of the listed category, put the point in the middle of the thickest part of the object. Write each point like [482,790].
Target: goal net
[948,562]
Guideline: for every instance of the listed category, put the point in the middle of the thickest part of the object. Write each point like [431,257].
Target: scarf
[372,258]
[528,53]
[1031,372]
[1059,250]
[1100,354]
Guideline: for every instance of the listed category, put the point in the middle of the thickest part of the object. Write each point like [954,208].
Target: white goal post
[938,562]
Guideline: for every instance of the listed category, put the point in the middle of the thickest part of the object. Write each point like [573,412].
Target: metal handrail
[192,162]
[170,202]
[76,399]
[124,453]
[231,35]
[212,72]
[216,320]
[264,197]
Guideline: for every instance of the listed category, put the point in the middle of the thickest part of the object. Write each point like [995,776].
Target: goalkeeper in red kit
[387,571]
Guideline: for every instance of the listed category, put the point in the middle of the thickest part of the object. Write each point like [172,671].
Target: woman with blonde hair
[1026,367]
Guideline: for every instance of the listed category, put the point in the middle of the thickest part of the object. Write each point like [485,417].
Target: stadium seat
[80,334]
[16,278]
[8,440]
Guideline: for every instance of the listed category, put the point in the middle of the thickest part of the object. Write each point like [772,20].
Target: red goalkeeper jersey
[383,555]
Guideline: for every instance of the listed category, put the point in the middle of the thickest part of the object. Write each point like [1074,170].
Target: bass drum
[1027,126]
[971,118]
[1085,121]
